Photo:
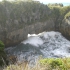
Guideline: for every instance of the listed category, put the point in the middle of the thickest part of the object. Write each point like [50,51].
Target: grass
[43,64]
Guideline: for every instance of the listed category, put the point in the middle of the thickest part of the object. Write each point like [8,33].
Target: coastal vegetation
[67,15]
[44,64]
[3,56]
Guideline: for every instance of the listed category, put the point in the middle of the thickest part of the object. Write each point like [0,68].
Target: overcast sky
[65,2]
[54,1]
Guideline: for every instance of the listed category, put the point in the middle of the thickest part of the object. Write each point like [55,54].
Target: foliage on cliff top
[58,13]
[60,10]
[44,64]
[56,4]
[67,15]
[64,10]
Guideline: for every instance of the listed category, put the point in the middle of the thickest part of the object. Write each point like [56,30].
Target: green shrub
[1,46]
[3,56]
[56,4]
[57,63]
[67,15]
[45,64]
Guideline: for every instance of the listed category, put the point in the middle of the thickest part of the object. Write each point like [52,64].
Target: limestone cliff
[19,35]
[65,28]
[19,18]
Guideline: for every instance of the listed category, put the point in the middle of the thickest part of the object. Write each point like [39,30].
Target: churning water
[48,44]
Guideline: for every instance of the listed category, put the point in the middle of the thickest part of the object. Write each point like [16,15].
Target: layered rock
[65,28]
[16,36]
[19,18]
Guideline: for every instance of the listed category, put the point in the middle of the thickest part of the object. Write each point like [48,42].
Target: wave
[48,44]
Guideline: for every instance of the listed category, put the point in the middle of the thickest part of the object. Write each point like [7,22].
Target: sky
[54,1]
[65,2]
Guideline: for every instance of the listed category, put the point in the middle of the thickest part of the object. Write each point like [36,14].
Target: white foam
[51,44]
[54,39]
[29,35]
[36,41]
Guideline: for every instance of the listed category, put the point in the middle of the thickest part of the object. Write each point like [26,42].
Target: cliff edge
[19,18]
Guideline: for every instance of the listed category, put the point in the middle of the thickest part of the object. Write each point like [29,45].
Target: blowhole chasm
[48,44]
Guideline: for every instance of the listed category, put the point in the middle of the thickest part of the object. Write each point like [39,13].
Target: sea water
[46,44]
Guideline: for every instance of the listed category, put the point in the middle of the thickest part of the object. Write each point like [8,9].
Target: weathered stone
[18,19]
[16,36]
[12,59]
[65,28]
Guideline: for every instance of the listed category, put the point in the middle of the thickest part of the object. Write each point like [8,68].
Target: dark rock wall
[17,19]
[19,35]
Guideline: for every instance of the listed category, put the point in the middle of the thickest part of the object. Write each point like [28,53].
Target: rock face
[65,28]
[19,18]
[16,36]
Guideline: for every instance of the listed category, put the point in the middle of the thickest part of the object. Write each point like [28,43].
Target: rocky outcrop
[16,36]
[19,18]
[65,28]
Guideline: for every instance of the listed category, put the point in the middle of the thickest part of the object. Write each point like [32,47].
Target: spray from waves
[48,44]
[51,44]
